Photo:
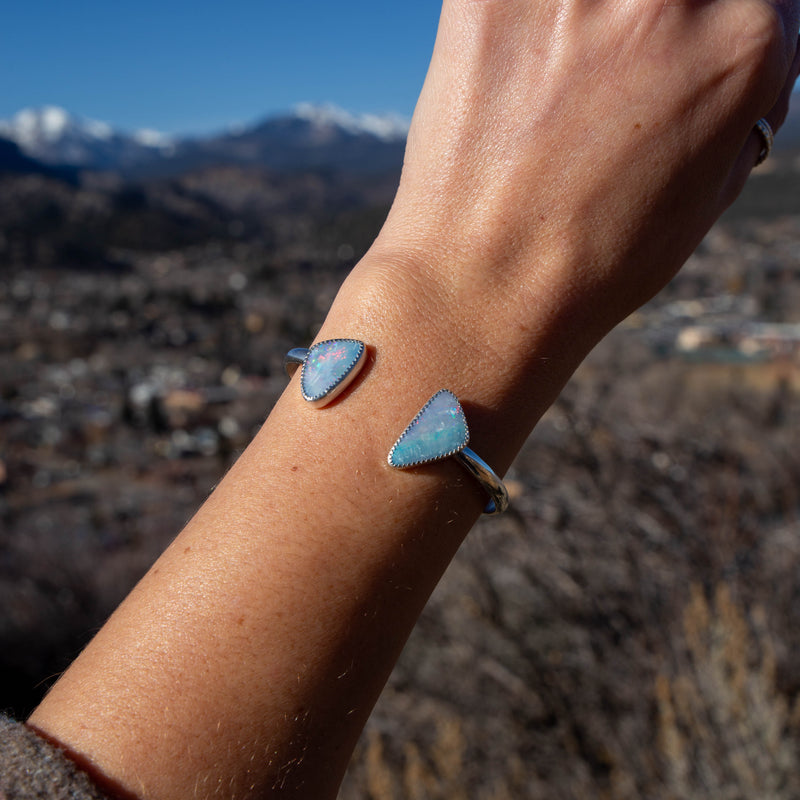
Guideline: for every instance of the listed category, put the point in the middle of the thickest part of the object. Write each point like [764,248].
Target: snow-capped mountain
[388,127]
[309,137]
[54,136]
[14,162]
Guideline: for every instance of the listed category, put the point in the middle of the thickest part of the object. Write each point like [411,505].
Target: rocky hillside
[628,630]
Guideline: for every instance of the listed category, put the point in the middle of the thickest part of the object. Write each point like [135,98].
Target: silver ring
[764,130]
[438,431]
[328,368]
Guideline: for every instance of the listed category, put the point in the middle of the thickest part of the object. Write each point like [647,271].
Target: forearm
[255,648]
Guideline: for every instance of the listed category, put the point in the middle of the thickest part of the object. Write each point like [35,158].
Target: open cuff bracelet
[438,431]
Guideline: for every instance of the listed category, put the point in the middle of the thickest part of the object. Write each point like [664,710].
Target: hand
[582,149]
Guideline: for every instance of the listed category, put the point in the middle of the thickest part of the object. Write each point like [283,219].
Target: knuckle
[762,47]
[762,26]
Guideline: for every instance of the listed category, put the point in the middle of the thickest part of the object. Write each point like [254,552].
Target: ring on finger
[764,130]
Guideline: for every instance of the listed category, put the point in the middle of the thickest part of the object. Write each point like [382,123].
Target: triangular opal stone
[438,431]
[329,367]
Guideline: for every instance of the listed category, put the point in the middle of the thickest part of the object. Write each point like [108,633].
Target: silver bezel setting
[334,389]
[490,482]
[414,421]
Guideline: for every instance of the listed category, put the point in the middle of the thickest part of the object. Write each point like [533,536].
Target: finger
[752,150]
[776,116]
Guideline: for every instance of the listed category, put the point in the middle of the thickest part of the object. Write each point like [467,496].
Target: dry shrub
[435,773]
[724,729]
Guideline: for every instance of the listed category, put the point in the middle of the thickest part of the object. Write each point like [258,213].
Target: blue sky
[184,67]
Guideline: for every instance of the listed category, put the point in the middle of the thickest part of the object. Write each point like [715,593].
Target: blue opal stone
[329,367]
[439,430]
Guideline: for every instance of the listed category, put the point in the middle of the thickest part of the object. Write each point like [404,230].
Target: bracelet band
[438,431]
[488,479]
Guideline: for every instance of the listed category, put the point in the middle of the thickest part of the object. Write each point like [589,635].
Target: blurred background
[182,190]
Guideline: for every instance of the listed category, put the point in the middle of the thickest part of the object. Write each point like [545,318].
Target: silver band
[764,130]
[294,359]
[487,478]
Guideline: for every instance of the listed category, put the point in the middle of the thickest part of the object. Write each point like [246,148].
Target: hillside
[628,630]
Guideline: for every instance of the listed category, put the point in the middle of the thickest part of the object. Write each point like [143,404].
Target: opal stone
[439,430]
[329,367]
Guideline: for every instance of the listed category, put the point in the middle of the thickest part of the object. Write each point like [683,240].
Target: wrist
[505,350]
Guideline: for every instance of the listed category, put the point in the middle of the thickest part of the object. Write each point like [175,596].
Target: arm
[564,160]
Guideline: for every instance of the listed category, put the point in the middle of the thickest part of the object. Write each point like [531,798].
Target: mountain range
[310,137]
[307,138]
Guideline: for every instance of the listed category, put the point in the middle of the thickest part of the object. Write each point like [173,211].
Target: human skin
[564,159]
